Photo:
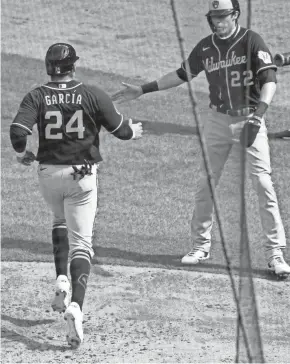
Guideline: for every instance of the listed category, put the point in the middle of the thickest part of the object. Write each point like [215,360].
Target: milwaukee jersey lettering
[69,117]
[230,68]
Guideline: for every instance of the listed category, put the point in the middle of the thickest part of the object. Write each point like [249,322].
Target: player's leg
[260,171]
[217,135]
[51,189]
[80,209]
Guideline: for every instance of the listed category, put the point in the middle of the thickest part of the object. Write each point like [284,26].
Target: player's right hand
[130,92]
[26,158]
[137,129]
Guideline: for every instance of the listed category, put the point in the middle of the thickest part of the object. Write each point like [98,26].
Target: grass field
[146,187]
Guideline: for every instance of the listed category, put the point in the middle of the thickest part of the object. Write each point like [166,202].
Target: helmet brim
[220,12]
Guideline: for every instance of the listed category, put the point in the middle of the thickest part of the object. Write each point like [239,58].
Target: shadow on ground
[31,344]
[122,257]
[25,323]
[10,335]
[37,251]
[18,249]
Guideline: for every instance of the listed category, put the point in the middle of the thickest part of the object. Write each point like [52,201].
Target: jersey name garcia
[69,117]
[231,66]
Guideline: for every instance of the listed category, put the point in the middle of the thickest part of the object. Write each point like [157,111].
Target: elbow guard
[124,132]
[18,137]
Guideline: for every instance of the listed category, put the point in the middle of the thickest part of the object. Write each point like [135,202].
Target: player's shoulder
[205,42]
[95,91]
[36,90]
[33,93]
[254,36]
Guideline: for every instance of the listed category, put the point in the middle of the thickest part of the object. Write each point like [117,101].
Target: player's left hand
[26,158]
[250,131]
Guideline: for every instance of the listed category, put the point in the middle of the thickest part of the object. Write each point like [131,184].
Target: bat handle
[282,59]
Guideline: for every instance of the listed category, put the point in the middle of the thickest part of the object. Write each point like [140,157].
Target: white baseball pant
[221,133]
[72,202]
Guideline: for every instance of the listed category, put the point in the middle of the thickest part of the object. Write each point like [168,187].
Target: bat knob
[282,59]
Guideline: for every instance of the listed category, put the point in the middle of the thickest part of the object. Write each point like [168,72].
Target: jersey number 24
[74,125]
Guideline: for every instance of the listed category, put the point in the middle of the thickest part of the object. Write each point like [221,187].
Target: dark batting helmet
[222,8]
[60,59]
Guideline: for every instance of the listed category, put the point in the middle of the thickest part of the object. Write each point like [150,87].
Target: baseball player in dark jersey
[231,119]
[69,116]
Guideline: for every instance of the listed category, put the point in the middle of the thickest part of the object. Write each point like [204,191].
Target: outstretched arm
[167,81]
[114,121]
[131,92]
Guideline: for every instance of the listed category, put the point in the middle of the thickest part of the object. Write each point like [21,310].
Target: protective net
[249,347]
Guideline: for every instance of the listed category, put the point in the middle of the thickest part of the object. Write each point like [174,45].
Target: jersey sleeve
[27,113]
[111,118]
[261,55]
[195,64]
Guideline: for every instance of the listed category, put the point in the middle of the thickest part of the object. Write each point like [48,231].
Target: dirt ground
[136,315]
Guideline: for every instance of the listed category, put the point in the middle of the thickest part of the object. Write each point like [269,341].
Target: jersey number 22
[237,80]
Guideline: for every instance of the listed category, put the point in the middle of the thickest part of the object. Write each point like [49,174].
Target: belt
[245,111]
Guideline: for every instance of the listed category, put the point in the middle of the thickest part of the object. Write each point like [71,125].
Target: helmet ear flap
[49,68]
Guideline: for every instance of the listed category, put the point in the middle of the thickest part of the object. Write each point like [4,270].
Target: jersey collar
[231,37]
[68,85]
[57,84]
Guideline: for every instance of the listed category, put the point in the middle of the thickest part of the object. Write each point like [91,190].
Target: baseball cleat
[74,319]
[61,298]
[194,257]
[279,267]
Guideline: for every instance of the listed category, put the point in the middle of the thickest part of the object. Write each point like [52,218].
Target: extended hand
[137,129]
[250,131]
[27,159]
[130,92]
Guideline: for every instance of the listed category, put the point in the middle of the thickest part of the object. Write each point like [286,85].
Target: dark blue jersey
[231,65]
[69,116]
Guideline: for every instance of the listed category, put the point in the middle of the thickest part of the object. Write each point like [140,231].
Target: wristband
[21,155]
[261,109]
[150,87]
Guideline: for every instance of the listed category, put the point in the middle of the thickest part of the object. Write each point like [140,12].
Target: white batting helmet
[223,7]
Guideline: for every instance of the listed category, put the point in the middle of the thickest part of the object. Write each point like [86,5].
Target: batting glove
[26,158]
[250,131]
[137,129]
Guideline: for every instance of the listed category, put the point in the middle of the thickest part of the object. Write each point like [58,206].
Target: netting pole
[247,297]
[207,164]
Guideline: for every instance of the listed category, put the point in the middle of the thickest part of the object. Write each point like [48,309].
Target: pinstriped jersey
[69,116]
[231,66]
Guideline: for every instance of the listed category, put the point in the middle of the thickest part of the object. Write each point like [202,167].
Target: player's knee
[81,243]
[82,252]
[59,223]
[262,181]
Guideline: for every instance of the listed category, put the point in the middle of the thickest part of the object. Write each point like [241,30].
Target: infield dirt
[136,315]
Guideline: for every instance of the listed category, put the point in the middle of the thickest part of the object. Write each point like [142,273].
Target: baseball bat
[285,134]
[282,59]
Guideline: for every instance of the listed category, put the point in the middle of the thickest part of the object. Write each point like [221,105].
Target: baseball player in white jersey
[69,116]
[223,56]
